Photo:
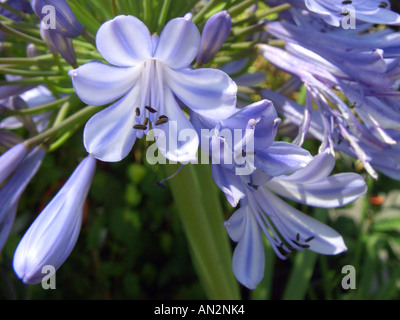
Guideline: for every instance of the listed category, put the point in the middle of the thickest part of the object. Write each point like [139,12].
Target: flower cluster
[191,84]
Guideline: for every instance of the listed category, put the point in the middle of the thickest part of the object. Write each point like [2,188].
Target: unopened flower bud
[57,16]
[215,32]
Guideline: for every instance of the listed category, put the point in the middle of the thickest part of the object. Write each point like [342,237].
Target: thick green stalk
[202,223]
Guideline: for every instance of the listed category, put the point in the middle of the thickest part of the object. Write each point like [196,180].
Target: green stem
[27,73]
[21,35]
[241,7]
[202,224]
[207,7]
[163,15]
[264,13]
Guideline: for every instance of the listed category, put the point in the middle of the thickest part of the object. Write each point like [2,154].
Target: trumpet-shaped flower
[52,236]
[146,76]
[333,11]
[286,228]
[245,142]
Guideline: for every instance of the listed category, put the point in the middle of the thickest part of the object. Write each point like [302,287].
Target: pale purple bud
[57,43]
[12,190]
[215,32]
[58,16]
[10,160]
[32,51]
[52,236]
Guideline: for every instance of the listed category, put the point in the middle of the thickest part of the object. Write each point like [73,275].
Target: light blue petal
[124,41]
[109,134]
[330,192]
[177,140]
[209,92]
[179,43]
[281,158]
[325,241]
[97,83]
[235,224]
[248,258]
[319,168]
[230,184]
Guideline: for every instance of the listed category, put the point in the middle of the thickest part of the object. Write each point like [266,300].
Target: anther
[139,127]
[161,120]
[137,111]
[347,2]
[160,185]
[146,121]
[253,186]
[298,237]
[309,239]
[383,5]
[150,109]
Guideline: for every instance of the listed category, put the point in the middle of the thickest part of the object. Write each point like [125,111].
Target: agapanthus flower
[245,142]
[12,190]
[52,236]
[334,11]
[386,161]
[146,76]
[287,229]
[359,118]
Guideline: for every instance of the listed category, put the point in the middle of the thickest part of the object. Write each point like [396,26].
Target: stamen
[150,109]
[383,5]
[160,183]
[253,186]
[309,239]
[161,120]
[139,127]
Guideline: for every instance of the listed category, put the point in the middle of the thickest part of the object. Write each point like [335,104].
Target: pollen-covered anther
[140,127]
[150,109]
[161,120]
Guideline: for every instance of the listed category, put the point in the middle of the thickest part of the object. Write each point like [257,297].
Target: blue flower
[245,142]
[52,236]
[286,228]
[147,75]
[366,119]
[334,11]
[13,189]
